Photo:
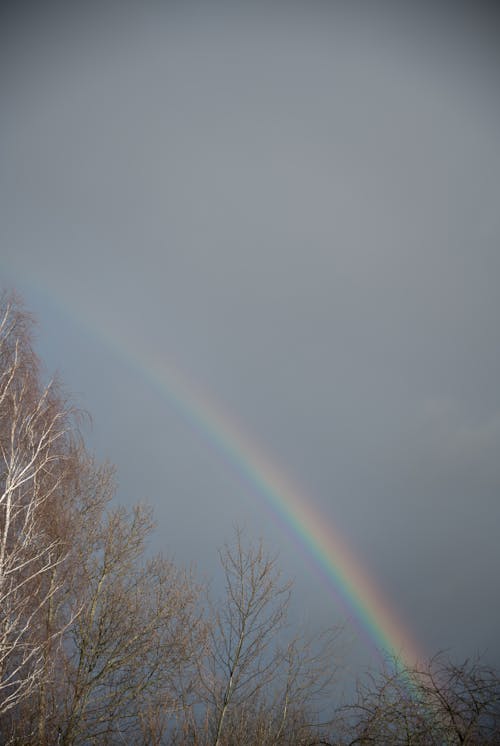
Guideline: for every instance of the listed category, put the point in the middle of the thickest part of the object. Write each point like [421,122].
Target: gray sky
[298,206]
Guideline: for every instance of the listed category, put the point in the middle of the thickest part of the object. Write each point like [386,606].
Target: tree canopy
[103,642]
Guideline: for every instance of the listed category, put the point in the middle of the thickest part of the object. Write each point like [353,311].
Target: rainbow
[345,579]
[296,514]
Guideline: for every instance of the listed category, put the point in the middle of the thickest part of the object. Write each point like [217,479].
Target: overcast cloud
[298,206]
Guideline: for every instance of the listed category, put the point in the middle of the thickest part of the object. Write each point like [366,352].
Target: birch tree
[97,639]
[34,447]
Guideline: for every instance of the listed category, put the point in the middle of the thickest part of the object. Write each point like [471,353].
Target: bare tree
[35,426]
[101,642]
[463,700]
[240,661]
[132,645]
[438,703]
[257,686]
[96,639]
